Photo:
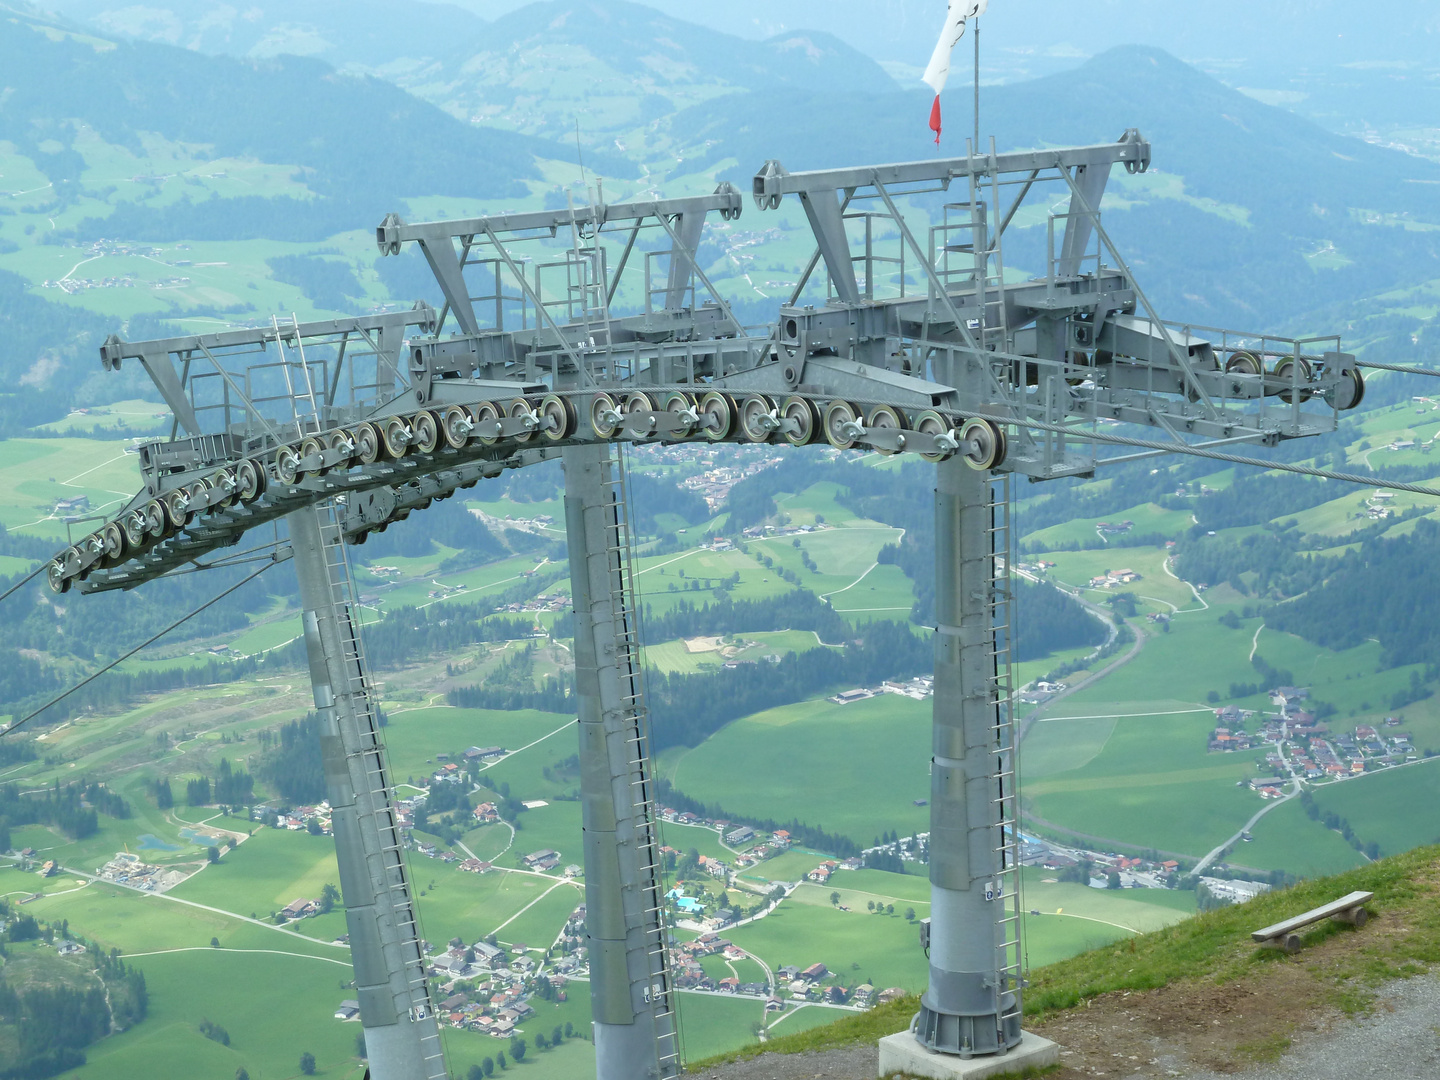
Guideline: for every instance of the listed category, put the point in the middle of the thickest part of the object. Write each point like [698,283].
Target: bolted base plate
[900,1053]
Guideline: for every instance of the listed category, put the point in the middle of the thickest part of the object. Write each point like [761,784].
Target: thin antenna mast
[579,157]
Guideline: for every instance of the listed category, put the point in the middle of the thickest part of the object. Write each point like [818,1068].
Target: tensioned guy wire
[121,659]
[1081,435]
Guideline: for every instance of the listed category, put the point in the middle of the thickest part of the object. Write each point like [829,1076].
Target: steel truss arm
[773,182]
[392,233]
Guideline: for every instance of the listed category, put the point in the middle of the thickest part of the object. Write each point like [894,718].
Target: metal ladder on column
[405,953]
[590,287]
[629,662]
[291,328]
[1005,780]
[990,264]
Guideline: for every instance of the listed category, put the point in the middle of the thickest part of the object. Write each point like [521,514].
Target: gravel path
[849,1063]
[1398,1040]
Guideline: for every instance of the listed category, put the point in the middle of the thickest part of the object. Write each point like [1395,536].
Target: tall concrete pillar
[972,1005]
[402,1040]
[630,996]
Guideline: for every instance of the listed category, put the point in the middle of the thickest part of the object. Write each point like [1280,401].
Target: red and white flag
[938,70]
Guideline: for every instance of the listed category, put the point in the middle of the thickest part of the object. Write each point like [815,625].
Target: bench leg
[1356,917]
[1291,943]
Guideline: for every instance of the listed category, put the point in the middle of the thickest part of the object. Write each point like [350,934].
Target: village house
[542,860]
[299,909]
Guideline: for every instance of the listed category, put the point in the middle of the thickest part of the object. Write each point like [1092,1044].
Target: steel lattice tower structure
[611,331]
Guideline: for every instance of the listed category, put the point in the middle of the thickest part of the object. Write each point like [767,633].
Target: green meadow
[853,769]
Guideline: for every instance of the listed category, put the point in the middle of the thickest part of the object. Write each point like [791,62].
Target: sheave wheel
[982,444]
[807,421]
[837,415]
[884,417]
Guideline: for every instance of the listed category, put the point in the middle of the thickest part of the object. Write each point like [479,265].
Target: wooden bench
[1348,909]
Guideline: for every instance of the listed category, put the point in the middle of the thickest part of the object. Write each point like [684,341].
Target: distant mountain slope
[615,66]
[362,144]
[610,64]
[1250,214]
[365,33]
[1280,32]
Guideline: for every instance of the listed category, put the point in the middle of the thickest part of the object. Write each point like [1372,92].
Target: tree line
[63,806]
[687,708]
[54,1023]
[800,832]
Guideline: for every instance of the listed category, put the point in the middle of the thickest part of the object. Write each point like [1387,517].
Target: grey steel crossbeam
[393,232]
[115,350]
[773,182]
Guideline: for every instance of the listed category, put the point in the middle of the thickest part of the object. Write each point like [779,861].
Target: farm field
[883,949]
[1147,519]
[1136,792]
[1395,808]
[415,735]
[265,873]
[1076,568]
[853,769]
[37,473]
[1288,840]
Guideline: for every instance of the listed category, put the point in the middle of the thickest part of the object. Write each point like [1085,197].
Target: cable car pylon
[612,332]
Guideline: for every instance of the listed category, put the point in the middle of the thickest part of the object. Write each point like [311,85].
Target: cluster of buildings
[757,532]
[296,819]
[538,524]
[442,590]
[554,602]
[818,983]
[714,484]
[452,772]
[688,973]
[1040,691]
[542,861]
[1111,578]
[491,988]
[1135,873]
[300,908]
[919,688]
[483,989]
[70,285]
[127,869]
[1303,748]
[815,983]
[1236,892]
[1378,505]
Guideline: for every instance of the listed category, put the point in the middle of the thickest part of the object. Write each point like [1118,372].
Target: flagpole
[977,85]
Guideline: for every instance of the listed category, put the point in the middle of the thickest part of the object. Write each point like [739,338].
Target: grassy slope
[1210,948]
[853,769]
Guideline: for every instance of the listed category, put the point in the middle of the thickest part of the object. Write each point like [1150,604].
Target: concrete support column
[629,994]
[969,1008]
[402,1040]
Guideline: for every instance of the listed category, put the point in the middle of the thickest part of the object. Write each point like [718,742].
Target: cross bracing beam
[681,219]
[773,181]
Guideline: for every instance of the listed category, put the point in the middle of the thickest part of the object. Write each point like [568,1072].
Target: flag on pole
[938,70]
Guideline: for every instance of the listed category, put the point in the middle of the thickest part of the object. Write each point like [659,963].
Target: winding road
[1220,849]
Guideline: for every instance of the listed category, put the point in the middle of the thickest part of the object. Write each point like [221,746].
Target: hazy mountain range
[1252,215]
